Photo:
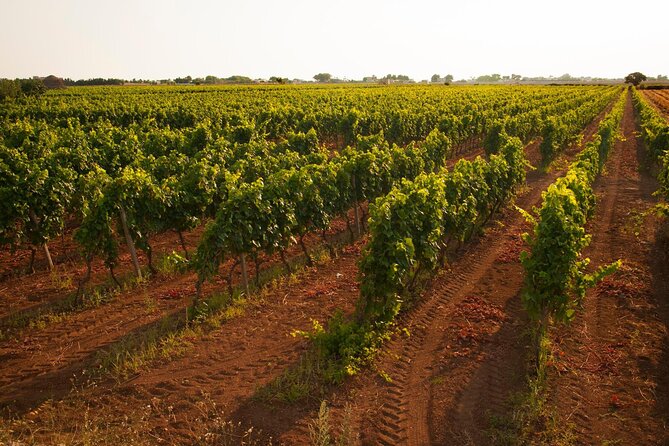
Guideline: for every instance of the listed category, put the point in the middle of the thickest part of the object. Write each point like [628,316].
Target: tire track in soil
[405,414]
[604,376]
[404,408]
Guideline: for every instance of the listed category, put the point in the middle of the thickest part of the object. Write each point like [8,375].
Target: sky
[350,39]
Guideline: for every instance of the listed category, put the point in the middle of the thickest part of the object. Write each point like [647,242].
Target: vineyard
[335,265]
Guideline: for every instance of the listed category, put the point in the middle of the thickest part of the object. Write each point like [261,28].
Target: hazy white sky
[348,38]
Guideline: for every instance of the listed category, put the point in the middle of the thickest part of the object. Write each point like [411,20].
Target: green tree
[435,78]
[32,87]
[396,77]
[489,78]
[323,77]
[237,79]
[635,78]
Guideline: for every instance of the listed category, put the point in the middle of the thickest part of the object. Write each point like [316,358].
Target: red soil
[463,355]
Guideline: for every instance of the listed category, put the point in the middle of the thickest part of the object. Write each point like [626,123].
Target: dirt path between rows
[611,386]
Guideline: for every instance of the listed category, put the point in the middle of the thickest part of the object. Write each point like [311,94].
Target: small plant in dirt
[172,263]
[227,433]
[320,429]
[60,280]
[337,352]
[532,421]
[150,304]
[97,297]
[346,345]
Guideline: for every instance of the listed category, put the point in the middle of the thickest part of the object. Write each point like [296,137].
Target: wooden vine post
[355,206]
[130,242]
[245,277]
[45,246]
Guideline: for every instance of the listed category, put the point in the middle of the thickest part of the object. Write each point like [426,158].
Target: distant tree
[211,80]
[323,77]
[95,81]
[236,79]
[489,78]
[516,77]
[661,77]
[278,79]
[183,80]
[32,87]
[448,79]
[435,78]
[635,78]
[396,77]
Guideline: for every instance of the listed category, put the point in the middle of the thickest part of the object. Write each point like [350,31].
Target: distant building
[52,82]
